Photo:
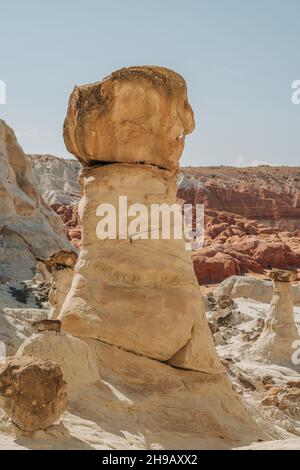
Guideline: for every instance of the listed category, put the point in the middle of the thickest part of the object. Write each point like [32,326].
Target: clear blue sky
[239,58]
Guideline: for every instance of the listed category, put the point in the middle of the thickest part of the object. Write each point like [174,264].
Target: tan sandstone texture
[33,392]
[138,294]
[137,114]
[143,366]
[275,344]
[60,266]
[28,227]
[126,401]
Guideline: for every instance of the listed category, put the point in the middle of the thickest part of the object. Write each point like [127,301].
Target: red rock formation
[268,194]
[69,216]
[236,245]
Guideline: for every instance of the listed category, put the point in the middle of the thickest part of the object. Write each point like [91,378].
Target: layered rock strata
[136,293]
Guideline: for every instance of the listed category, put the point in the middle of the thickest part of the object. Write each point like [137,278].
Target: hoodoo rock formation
[60,266]
[276,343]
[136,115]
[138,294]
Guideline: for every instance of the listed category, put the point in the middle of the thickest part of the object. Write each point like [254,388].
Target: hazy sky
[239,58]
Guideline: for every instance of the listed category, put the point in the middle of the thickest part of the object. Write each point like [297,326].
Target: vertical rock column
[275,345]
[137,293]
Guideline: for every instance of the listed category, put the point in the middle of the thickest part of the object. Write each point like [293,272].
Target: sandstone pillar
[139,294]
[275,345]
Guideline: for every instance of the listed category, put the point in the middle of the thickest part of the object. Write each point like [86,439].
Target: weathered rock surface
[252,218]
[136,115]
[156,406]
[16,325]
[56,179]
[47,325]
[60,265]
[140,295]
[77,361]
[235,245]
[280,275]
[28,227]
[276,343]
[69,216]
[267,194]
[33,392]
[260,290]
[134,292]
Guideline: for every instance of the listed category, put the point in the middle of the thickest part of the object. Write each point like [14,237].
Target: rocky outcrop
[276,343]
[155,405]
[33,392]
[28,227]
[57,182]
[76,360]
[259,290]
[61,267]
[69,216]
[270,195]
[139,284]
[147,106]
[235,245]
[56,179]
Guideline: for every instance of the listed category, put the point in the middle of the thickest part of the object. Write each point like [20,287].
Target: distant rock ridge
[267,194]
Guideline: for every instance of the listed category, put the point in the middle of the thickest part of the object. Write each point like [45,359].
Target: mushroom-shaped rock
[137,114]
[276,342]
[281,275]
[134,290]
[60,265]
[33,392]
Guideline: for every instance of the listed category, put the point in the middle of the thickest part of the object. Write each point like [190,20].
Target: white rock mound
[252,288]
